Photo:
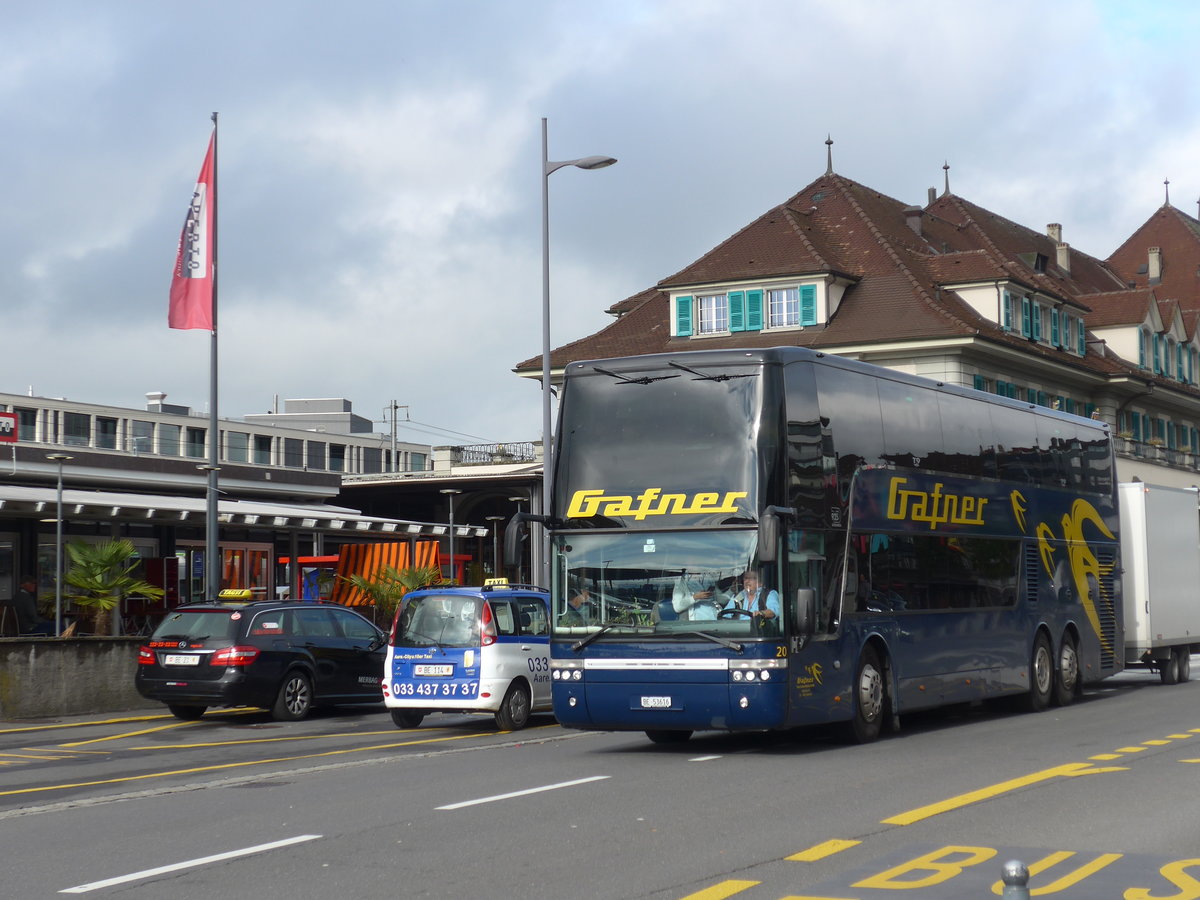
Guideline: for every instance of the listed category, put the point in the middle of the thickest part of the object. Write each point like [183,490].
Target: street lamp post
[450,492]
[497,568]
[549,168]
[59,458]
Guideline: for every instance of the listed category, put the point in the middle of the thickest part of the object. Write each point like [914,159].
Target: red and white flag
[192,281]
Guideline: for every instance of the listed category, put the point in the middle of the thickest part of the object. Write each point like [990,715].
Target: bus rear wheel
[668,737]
[407,718]
[1041,675]
[1185,664]
[1066,679]
[1168,671]
[870,698]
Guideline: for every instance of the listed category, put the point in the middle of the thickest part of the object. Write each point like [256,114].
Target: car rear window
[198,625]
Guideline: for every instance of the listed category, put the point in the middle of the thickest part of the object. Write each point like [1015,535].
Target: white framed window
[712,313]
[783,307]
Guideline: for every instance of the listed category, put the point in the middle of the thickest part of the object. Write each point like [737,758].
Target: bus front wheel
[870,697]
[1041,675]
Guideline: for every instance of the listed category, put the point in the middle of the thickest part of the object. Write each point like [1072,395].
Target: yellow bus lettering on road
[1176,873]
[939,866]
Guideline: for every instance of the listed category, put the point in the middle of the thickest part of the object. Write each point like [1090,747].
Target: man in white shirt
[698,606]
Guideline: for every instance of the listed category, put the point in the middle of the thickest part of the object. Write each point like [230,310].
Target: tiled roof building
[954,292]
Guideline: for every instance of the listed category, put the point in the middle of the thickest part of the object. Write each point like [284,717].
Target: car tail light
[146,657]
[487,632]
[234,656]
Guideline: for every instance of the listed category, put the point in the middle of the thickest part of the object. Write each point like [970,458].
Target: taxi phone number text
[437,689]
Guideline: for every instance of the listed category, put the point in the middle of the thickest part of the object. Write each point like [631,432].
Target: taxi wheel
[295,698]
[187,713]
[513,713]
[407,718]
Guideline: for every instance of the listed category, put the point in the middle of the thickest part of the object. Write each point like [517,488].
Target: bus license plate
[433,670]
[175,659]
[656,703]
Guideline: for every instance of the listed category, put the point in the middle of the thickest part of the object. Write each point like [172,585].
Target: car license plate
[656,703]
[178,659]
[433,670]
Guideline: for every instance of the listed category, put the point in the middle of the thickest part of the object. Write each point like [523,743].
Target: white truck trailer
[1160,556]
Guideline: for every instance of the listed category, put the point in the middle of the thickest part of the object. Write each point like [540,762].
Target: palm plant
[387,585]
[101,574]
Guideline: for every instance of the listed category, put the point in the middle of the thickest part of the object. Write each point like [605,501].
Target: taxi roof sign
[495,582]
[236,594]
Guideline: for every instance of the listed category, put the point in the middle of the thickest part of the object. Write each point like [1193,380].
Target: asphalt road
[1099,799]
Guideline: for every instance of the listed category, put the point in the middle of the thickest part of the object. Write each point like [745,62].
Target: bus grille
[1033,573]
[1106,608]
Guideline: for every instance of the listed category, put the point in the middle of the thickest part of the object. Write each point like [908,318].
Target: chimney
[1054,230]
[932,195]
[1064,256]
[912,215]
[1155,265]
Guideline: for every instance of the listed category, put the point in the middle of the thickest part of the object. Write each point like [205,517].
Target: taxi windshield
[662,584]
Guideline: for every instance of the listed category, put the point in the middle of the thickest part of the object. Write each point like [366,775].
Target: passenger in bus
[698,606]
[762,604]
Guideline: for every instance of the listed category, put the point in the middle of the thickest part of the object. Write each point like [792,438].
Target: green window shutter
[1142,348]
[1157,355]
[808,304]
[754,310]
[1026,317]
[1006,312]
[1037,321]
[683,316]
[1042,399]
[1080,338]
[1001,387]
[980,383]
[1054,336]
[1011,390]
[737,311]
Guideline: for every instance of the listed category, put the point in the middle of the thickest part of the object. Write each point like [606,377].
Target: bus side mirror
[768,531]
[515,533]
[804,612]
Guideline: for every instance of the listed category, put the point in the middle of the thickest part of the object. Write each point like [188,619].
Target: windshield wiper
[583,642]
[645,379]
[732,645]
[700,376]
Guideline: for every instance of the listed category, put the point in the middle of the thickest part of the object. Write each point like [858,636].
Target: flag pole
[212,556]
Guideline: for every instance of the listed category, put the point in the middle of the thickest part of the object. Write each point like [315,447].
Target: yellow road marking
[128,734]
[233,765]
[1156,743]
[1130,749]
[1106,756]
[722,890]
[1179,737]
[995,790]
[820,851]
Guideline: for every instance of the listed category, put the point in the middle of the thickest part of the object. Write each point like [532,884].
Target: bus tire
[1185,664]
[668,737]
[1041,674]
[1168,671]
[407,718]
[870,695]
[1066,679]
[514,710]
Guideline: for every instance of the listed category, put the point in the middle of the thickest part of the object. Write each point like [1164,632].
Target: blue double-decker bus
[764,539]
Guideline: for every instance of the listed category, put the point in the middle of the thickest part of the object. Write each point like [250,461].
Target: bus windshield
[663,584]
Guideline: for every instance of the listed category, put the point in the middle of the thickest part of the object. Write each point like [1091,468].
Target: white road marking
[191,863]
[703,758]
[536,790]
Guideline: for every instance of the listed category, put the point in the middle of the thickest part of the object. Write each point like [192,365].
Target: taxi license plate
[177,659]
[433,670]
[656,703]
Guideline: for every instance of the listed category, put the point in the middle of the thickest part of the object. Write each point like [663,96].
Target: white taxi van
[470,650]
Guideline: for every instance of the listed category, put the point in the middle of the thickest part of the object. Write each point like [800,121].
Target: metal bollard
[1016,881]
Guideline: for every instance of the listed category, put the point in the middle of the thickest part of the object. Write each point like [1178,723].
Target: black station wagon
[285,656]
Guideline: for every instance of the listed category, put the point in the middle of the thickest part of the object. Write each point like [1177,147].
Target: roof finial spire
[1166,192]
[828,154]
[946,169]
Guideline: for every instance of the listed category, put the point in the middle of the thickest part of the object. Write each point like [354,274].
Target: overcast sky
[380,230]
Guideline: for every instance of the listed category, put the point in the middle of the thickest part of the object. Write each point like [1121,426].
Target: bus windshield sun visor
[645,379]
[700,376]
